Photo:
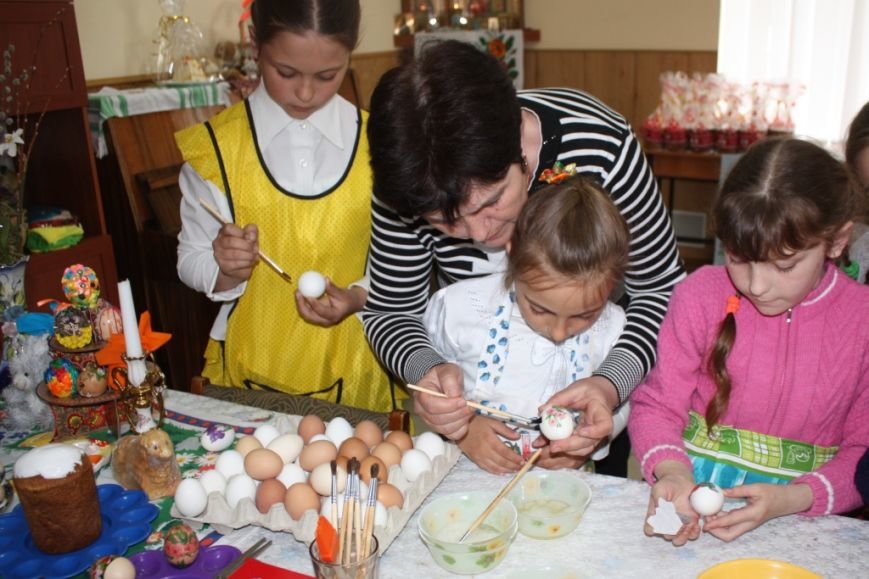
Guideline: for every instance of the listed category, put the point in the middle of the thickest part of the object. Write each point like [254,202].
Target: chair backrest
[146,142]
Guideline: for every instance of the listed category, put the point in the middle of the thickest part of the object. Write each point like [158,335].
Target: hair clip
[557,173]
[732,304]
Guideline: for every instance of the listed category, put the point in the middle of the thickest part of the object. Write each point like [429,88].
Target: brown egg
[388,453]
[401,439]
[269,492]
[369,432]
[262,464]
[309,426]
[365,470]
[300,498]
[341,461]
[317,452]
[390,495]
[247,443]
[353,447]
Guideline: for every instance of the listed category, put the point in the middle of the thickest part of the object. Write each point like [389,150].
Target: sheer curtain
[821,44]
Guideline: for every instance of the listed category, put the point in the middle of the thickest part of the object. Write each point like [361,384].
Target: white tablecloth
[609,541]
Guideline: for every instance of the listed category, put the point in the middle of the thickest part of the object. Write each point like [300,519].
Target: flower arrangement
[14,154]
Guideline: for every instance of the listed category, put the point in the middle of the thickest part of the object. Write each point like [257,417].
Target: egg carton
[224,519]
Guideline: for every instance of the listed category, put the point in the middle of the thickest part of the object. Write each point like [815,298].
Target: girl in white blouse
[522,336]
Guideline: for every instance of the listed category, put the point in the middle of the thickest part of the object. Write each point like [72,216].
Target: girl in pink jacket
[762,379]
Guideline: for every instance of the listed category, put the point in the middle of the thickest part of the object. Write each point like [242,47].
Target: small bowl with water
[443,521]
[550,504]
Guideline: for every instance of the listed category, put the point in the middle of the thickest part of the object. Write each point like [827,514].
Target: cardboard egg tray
[224,519]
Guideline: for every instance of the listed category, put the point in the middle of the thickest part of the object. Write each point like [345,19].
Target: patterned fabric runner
[737,456]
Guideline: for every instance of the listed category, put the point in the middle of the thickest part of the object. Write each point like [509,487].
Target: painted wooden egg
[92,381]
[73,328]
[61,378]
[180,545]
[107,321]
[81,286]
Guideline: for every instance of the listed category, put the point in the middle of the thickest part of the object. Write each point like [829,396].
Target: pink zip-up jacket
[807,379]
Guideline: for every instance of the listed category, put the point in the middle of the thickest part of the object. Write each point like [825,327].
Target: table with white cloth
[609,541]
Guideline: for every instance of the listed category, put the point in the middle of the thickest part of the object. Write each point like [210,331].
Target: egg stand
[76,416]
[139,403]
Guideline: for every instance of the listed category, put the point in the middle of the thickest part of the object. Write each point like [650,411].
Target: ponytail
[718,364]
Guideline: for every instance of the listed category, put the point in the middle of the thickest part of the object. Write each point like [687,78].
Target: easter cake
[58,493]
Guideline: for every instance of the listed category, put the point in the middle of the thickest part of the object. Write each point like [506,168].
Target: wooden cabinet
[62,170]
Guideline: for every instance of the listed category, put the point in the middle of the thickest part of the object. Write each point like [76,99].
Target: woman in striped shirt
[456,152]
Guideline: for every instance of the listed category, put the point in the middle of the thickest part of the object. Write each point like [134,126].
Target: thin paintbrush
[262,255]
[372,504]
[482,407]
[502,494]
[333,497]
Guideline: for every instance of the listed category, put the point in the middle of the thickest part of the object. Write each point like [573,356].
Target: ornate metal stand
[141,405]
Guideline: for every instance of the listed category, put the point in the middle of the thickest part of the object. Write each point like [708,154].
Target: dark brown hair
[858,136]
[782,196]
[337,19]
[571,229]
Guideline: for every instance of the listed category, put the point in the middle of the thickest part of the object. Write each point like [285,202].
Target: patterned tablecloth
[609,541]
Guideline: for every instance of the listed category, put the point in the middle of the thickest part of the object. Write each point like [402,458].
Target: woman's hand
[675,483]
[235,251]
[447,416]
[595,397]
[333,306]
[765,502]
[489,452]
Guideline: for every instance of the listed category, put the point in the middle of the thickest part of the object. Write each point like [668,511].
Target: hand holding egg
[312,284]
[558,422]
[707,499]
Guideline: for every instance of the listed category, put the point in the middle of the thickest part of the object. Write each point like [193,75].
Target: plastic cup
[365,567]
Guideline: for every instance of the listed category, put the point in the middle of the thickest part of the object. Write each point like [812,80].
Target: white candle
[136,369]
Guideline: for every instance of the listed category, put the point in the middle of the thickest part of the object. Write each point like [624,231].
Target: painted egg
[707,499]
[73,328]
[312,284]
[217,437]
[557,422]
[108,321]
[61,378]
[81,286]
[112,567]
[92,381]
[180,545]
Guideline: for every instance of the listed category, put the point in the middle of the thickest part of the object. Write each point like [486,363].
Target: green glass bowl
[550,504]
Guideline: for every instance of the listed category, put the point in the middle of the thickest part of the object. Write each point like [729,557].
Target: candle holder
[141,405]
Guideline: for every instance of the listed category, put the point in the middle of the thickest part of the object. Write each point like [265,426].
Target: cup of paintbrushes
[360,564]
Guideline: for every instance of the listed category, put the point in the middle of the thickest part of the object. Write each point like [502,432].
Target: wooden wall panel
[369,68]
[611,77]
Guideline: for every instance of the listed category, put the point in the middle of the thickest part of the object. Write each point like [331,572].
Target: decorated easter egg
[707,499]
[312,284]
[92,381]
[180,545]
[81,286]
[107,321]
[557,422]
[61,378]
[217,437]
[72,328]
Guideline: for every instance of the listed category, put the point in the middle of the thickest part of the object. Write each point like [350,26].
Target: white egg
[266,433]
[213,482]
[380,514]
[338,430]
[120,568]
[414,463]
[217,437]
[288,446]
[557,422]
[707,499]
[239,487]
[317,437]
[326,506]
[431,444]
[321,479]
[229,463]
[291,474]
[190,497]
[312,284]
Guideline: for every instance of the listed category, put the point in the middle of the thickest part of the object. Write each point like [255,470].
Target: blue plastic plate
[210,561]
[126,515]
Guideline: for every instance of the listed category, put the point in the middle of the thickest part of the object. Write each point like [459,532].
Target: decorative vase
[12,302]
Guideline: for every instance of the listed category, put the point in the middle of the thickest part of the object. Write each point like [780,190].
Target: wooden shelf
[406,40]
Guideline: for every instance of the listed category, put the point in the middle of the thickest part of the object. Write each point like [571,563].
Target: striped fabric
[110,102]
[577,128]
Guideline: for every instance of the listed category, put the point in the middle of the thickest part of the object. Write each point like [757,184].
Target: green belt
[755,452]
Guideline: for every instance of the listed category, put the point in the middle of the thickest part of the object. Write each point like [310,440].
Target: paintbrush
[502,494]
[531,422]
[214,213]
[372,504]
[333,497]
[346,516]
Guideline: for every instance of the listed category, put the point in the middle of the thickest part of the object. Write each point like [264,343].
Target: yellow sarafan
[267,343]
